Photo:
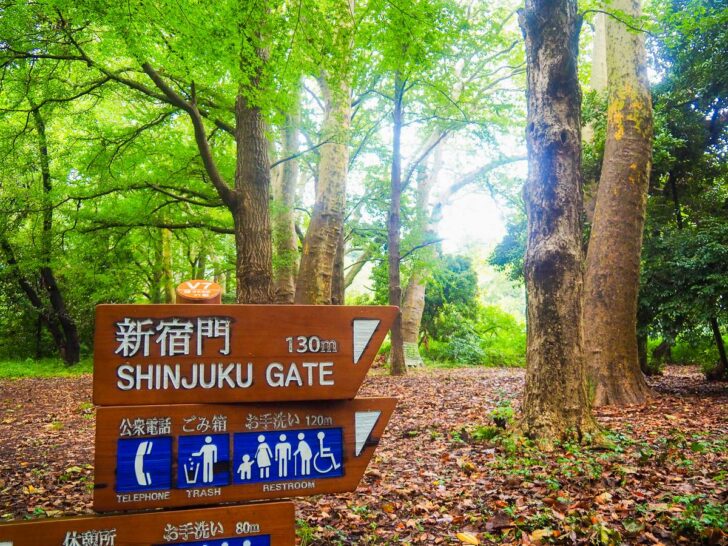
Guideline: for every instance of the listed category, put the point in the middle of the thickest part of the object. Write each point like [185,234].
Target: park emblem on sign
[171,354]
[199,291]
[160,456]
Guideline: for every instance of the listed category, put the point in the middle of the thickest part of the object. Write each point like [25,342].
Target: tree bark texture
[720,372]
[249,201]
[615,245]
[555,404]
[397,363]
[70,347]
[598,82]
[166,280]
[355,268]
[251,214]
[413,304]
[338,282]
[315,275]
[285,241]
[45,316]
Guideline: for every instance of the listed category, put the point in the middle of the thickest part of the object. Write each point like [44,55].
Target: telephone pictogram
[143,450]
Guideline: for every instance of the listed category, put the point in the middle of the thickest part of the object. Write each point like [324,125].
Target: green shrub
[465,349]
[701,351]
[503,338]
[492,338]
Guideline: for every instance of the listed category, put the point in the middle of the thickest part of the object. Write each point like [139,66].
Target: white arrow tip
[364,422]
[363,331]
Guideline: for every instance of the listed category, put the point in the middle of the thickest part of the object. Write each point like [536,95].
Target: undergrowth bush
[492,338]
[698,350]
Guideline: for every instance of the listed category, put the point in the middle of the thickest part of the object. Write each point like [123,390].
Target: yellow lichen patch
[627,104]
[616,121]
[633,166]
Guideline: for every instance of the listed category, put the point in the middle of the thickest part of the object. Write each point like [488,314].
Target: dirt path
[665,480]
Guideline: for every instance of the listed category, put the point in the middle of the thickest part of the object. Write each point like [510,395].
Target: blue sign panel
[289,455]
[203,460]
[259,540]
[144,464]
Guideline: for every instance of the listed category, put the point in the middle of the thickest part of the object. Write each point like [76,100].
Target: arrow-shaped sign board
[161,456]
[171,354]
[270,524]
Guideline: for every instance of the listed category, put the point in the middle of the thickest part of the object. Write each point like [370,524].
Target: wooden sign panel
[160,456]
[270,524]
[170,354]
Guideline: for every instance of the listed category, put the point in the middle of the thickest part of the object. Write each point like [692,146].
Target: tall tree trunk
[642,352]
[397,363]
[598,82]
[720,372]
[71,344]
[555,403]
[413,303]
[199,268]
[251,214]
[285,242]
[249,201]
[615,246]
[44,315]
[155,294]
[167,275]
[356,267]
[338,282]
[320,245]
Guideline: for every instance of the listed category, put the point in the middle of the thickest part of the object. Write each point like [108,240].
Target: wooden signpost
[161,456]
[172,354]
[208,404]
[267,524]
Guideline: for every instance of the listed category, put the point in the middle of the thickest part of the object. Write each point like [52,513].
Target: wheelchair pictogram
[324,461]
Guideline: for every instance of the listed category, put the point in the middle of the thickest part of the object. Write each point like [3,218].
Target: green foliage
[484,433]
[503,337]
[304,532]
[509,253]
[691,52]
[48,367]
[492,337]
[503,413]
[454,282]
[594,116]
[464,348]
[683,284]
[700,518]
[685,280]
[700,350]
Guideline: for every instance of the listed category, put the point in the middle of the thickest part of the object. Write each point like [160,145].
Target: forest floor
[439,476]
